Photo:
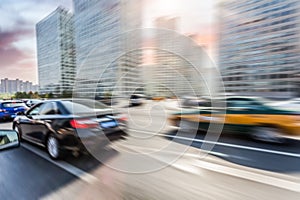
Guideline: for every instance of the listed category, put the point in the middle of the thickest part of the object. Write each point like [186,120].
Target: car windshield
[13,104]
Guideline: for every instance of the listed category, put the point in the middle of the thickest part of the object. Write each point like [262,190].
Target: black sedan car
[71,125]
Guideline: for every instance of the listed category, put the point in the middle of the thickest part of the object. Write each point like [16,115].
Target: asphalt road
[242,150]
[283,158]
[25,175]
[28,173]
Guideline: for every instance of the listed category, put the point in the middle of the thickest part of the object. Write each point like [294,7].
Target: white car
[293,104]
[32,102]
[136,99]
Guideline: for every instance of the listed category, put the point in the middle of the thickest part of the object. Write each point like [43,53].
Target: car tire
[53,148]
[268,134]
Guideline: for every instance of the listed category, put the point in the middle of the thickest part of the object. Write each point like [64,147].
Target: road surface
[153,163]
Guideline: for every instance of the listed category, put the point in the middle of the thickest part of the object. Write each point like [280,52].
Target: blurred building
[56,52]
[173,74]
[259,47]
[12,86]
[167,62]
[105,38]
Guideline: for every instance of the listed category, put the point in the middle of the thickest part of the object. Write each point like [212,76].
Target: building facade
[56,52]
[106,63]
[8,86]
[174,74]
[259,47]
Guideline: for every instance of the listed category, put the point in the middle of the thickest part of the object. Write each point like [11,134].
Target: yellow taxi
[246,115]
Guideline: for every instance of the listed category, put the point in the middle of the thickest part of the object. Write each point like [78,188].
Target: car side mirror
[9,139]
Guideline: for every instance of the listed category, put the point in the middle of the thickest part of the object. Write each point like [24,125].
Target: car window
[48,108]
[246,103]
[90,103]
[73,107]
[13,104]
[82,106]
[35,110]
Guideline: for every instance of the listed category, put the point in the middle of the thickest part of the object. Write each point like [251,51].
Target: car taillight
[83,123]
[122,118]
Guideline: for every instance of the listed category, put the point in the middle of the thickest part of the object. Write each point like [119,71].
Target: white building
[8,86]
[56,52]
[259,47]
[175,74]
[106,47]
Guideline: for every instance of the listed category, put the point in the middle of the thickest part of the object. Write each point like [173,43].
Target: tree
[49,95]
[30,94]
[66,94]
[36,95]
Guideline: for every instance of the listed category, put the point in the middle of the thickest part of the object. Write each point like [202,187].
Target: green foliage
[66,94]
[24,95]
[36,95]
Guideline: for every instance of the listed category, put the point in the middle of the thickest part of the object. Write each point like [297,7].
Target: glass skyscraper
[259,47]
[106,63]
[56,52]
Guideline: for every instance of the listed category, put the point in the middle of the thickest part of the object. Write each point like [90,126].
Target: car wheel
[19,131]
[53,148]
[268,134]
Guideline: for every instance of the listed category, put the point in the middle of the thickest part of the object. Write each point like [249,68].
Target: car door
[28,122]
[39,120]
[241,114]
[48,113]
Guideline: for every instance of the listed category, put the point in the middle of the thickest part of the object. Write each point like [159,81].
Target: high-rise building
[8,86]
[259,47]
[106,61]
[56,52]
[174,75]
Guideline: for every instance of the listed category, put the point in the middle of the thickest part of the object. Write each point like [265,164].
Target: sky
[18,18]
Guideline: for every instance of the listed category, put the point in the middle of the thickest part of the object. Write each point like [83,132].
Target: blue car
[9,109]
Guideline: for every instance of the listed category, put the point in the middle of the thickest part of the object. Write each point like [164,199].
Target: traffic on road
[52,126]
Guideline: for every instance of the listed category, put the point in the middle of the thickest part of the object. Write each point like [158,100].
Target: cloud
[10,55]
[17,35]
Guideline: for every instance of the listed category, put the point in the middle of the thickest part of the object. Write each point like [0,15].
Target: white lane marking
[230,171]
[226,144]
[252,176]
[63,165]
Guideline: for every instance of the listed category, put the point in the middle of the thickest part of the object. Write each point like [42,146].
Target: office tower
[106,61]
[174,75]
[259,47]
[56,52]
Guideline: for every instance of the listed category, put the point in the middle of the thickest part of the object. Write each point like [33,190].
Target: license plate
[108,124]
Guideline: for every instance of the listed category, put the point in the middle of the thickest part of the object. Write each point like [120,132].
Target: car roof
[7,101]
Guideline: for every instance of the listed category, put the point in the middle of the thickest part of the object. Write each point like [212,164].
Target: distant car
[292,104]
[32,102]
[192,102]
[137,99]
[158,98]
[64,126]
[10,109]
[243,115]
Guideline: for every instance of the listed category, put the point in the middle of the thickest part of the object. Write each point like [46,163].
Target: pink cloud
[12,57]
